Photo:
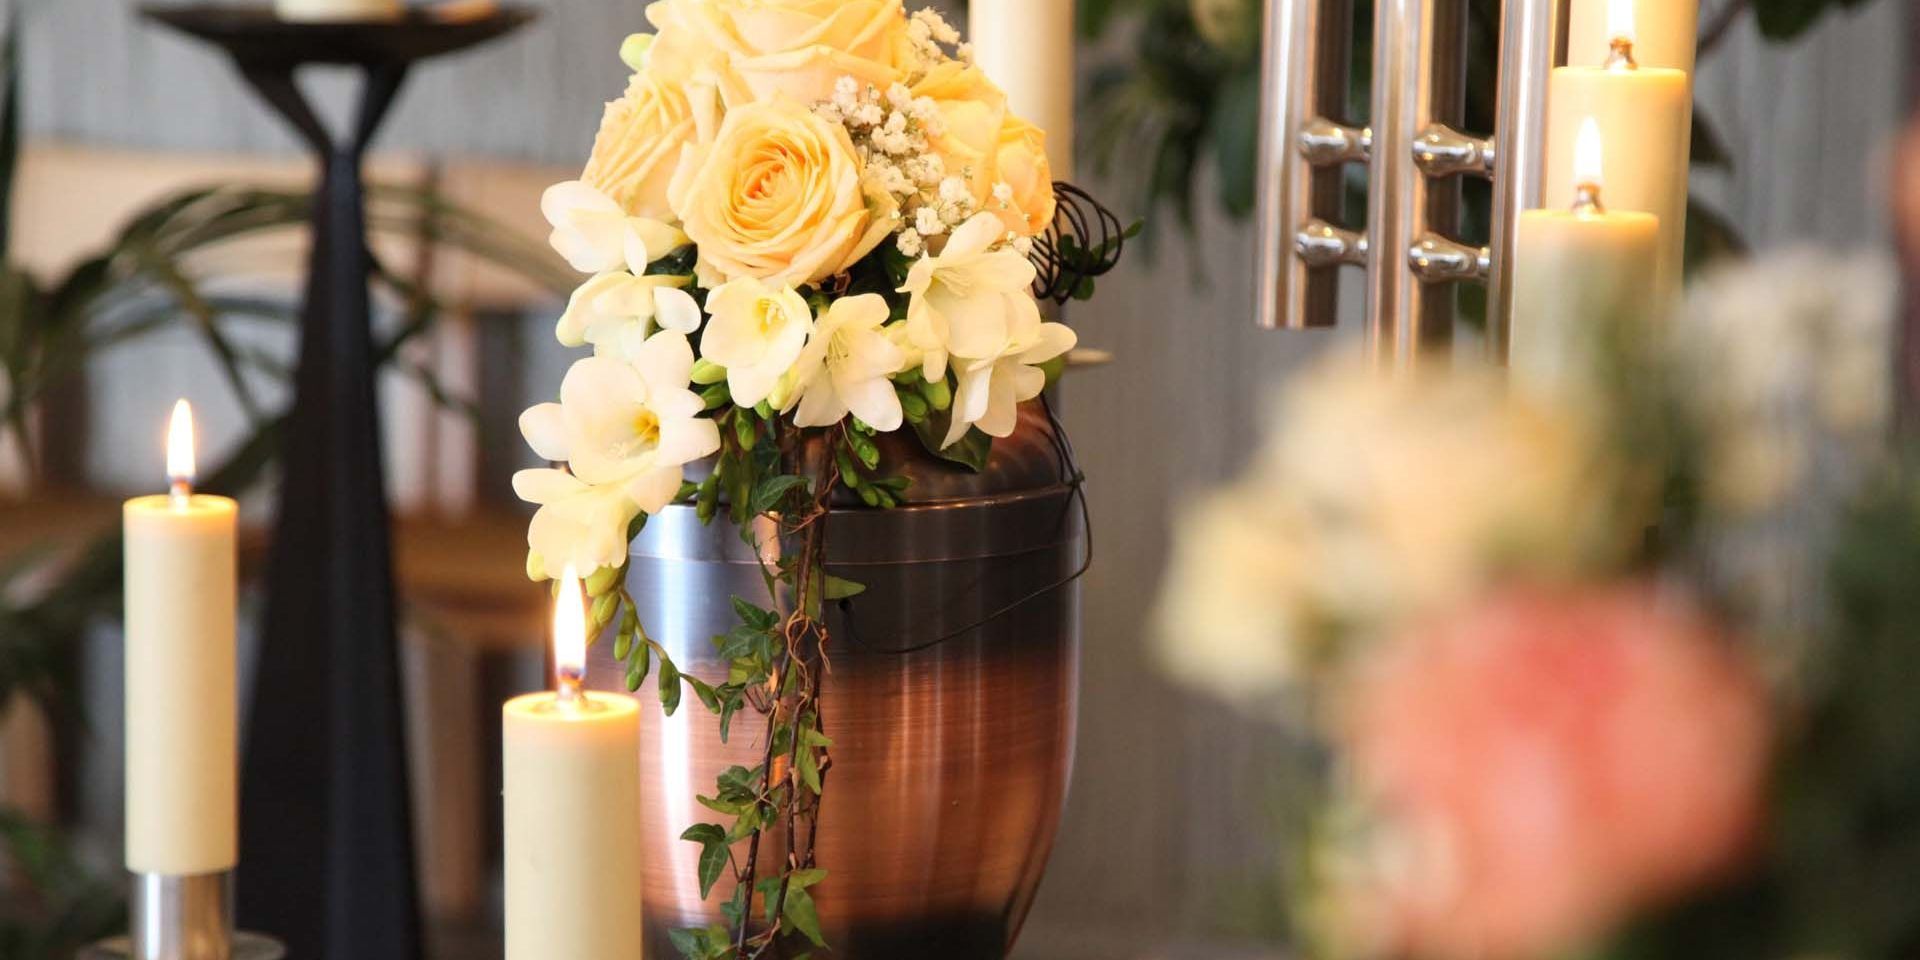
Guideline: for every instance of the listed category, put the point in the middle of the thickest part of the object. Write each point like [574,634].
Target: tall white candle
[1026,46]
[1578,272]
[1666,32]
[572,810]
[182,709]
[1644,115]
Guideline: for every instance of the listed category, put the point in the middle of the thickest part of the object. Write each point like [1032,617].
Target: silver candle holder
[190,917]
[1415,155]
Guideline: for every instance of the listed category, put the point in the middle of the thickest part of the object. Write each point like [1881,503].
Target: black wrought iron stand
[326,840]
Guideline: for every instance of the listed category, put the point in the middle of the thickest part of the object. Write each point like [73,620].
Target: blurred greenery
[1184,95]
[145,282]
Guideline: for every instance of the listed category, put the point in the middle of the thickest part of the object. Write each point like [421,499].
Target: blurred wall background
[1147,854]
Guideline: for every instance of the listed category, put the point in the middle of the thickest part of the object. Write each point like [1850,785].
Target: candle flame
[180,445]
[1589,155]
[1620,25]
[569,632]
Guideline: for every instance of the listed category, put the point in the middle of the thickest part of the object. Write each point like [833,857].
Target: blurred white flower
[847,366]
[1378,499]
[617,311]
[1791,358]
[757,332]
[578,524]
[967,300]
[596,235]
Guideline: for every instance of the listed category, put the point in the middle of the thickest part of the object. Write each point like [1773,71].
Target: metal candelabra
[1415,154]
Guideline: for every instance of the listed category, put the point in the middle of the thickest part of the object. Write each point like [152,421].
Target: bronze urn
[951,699]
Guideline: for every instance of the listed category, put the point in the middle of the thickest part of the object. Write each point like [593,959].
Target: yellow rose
[638,146]
[791,48]
[972,110]
[1023,167]
[777,197]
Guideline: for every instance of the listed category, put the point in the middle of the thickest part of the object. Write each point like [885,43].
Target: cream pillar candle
[572,810]
[1575,271]
[1644,115]
[335,10]
[182,707]
[1666,32]
[1026,46]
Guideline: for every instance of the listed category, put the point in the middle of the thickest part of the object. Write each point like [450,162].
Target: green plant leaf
[800,912]
[840,588]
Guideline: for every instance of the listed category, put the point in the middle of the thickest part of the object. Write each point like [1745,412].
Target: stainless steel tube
[1530,42]
[1305,60]
[1419,63]
[184,917]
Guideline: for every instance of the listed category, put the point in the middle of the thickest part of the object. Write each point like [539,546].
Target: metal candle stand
[1414,152]
[184,918]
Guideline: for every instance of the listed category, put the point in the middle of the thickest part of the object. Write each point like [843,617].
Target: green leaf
[728,708]
[809,768]
[708,698]
[713,862]
[839,588]
[704,833]
[731,808]
[970,451]
[812,737]
[669,687]
[692,944]
[800,912]
[754,616]
[773,490]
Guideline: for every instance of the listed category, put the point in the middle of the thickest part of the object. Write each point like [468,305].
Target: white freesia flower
[992,388]
[967,300]
[617,311]
[595,235]
[626,430]
[848,365]
[756,332]
[579,524]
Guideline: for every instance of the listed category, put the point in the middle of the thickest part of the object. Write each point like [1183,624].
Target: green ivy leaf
[773,490]
[839,588]
[971,451]
[754,616]
[713,862]
[809,768]
[800,912]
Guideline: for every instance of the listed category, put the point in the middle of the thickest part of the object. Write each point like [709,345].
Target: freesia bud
[602,580]
[706,372]
[635,50]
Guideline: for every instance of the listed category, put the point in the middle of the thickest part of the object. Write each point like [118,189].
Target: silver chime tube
[1419,88]
[1530,42]
[1303,149]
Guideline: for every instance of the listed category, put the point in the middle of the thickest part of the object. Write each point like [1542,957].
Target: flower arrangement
[1597,667]
[803,224]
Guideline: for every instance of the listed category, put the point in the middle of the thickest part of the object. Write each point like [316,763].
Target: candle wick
[180,491]
[1620,55]
[1586,200]
[569,684]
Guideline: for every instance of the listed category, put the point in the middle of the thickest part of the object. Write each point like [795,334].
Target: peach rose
[1023,167]
[777,197]
[791,48]
[638,146]
[972,111]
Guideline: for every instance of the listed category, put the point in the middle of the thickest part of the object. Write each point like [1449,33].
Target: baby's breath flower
[928,221]
[910,242]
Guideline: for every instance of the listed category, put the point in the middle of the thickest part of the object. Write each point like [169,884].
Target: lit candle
[1026,46]
[182,704]
[572,809]
[1643,114]
[1577,270]
[338,10]
[1666,32]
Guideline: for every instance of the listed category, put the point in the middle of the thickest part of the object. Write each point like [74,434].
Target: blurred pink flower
[1548,763]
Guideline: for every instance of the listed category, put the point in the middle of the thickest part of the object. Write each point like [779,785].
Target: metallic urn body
[951,700]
